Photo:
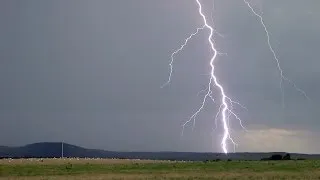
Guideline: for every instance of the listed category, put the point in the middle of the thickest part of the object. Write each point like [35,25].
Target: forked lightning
[226,108]
[282,76]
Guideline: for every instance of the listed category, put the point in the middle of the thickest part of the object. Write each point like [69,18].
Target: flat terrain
[63,169]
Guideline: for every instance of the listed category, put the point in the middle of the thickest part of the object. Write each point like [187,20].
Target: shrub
[273,157]
[276,157]
[286,157]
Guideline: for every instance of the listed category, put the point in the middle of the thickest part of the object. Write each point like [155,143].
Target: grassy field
[63,169]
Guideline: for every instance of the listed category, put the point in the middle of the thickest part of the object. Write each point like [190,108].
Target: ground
[98,169]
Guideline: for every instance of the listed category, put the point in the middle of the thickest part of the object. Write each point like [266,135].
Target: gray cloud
[279,140]
[89,73]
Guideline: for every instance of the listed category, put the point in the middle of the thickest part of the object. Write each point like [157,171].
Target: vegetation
[277,157]
[286,157]
[135,169]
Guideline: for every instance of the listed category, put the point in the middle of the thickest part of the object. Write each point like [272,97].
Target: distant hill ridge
[54,149]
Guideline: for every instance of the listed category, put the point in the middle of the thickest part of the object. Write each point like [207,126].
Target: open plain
[73,168]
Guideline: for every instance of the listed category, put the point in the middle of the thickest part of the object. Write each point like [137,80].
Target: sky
[89,73]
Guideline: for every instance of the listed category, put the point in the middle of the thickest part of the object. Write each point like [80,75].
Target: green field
[63,169]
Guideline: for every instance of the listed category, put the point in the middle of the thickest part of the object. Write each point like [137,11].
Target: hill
[54,149]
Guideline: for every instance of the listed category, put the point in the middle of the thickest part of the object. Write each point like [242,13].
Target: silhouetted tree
[276,157]
[273,157]
[286,157]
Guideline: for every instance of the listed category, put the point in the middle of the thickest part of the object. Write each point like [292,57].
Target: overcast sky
[89,73]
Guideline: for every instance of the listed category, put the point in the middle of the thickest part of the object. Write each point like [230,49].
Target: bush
[286,157]
[273,157]
[276,157]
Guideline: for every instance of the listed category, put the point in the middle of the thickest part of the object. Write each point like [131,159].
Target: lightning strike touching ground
[226,108]
[282,76]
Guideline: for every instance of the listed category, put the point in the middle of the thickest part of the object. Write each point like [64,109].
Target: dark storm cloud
[89,72]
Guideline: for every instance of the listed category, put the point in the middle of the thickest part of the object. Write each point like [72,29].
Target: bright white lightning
[177,51]
[282,76]
[226,108]
[213,81]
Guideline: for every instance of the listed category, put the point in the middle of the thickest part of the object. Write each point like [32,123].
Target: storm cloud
[89,73]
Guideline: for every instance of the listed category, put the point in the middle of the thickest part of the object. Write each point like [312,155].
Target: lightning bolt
[177,51]
[282,76]
[226,108]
